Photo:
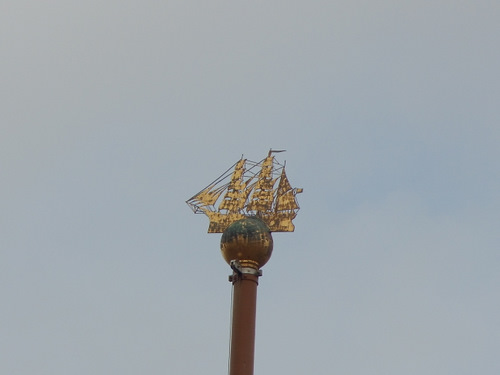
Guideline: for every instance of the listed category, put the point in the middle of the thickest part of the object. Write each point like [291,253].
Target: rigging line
[217,180]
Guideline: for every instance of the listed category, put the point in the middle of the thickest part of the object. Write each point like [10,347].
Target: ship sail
[286,195]
[236,195]
[208,196]
[263,192]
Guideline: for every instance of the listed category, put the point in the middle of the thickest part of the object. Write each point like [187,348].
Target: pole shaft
[241,360]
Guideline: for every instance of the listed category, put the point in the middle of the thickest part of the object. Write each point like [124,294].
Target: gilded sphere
[247,240]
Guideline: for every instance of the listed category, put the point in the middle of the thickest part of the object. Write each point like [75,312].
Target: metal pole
[245,281]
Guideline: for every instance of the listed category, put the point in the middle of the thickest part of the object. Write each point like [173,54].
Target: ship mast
[262,196]
[235,197]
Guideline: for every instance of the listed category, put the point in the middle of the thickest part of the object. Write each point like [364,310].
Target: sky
[114,113]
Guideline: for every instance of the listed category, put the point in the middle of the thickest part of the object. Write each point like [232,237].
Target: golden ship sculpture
[249,188]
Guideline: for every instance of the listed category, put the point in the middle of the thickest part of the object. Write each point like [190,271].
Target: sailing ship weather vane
[248,188]
[246,203]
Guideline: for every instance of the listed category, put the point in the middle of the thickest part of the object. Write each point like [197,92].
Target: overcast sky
[113,113]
